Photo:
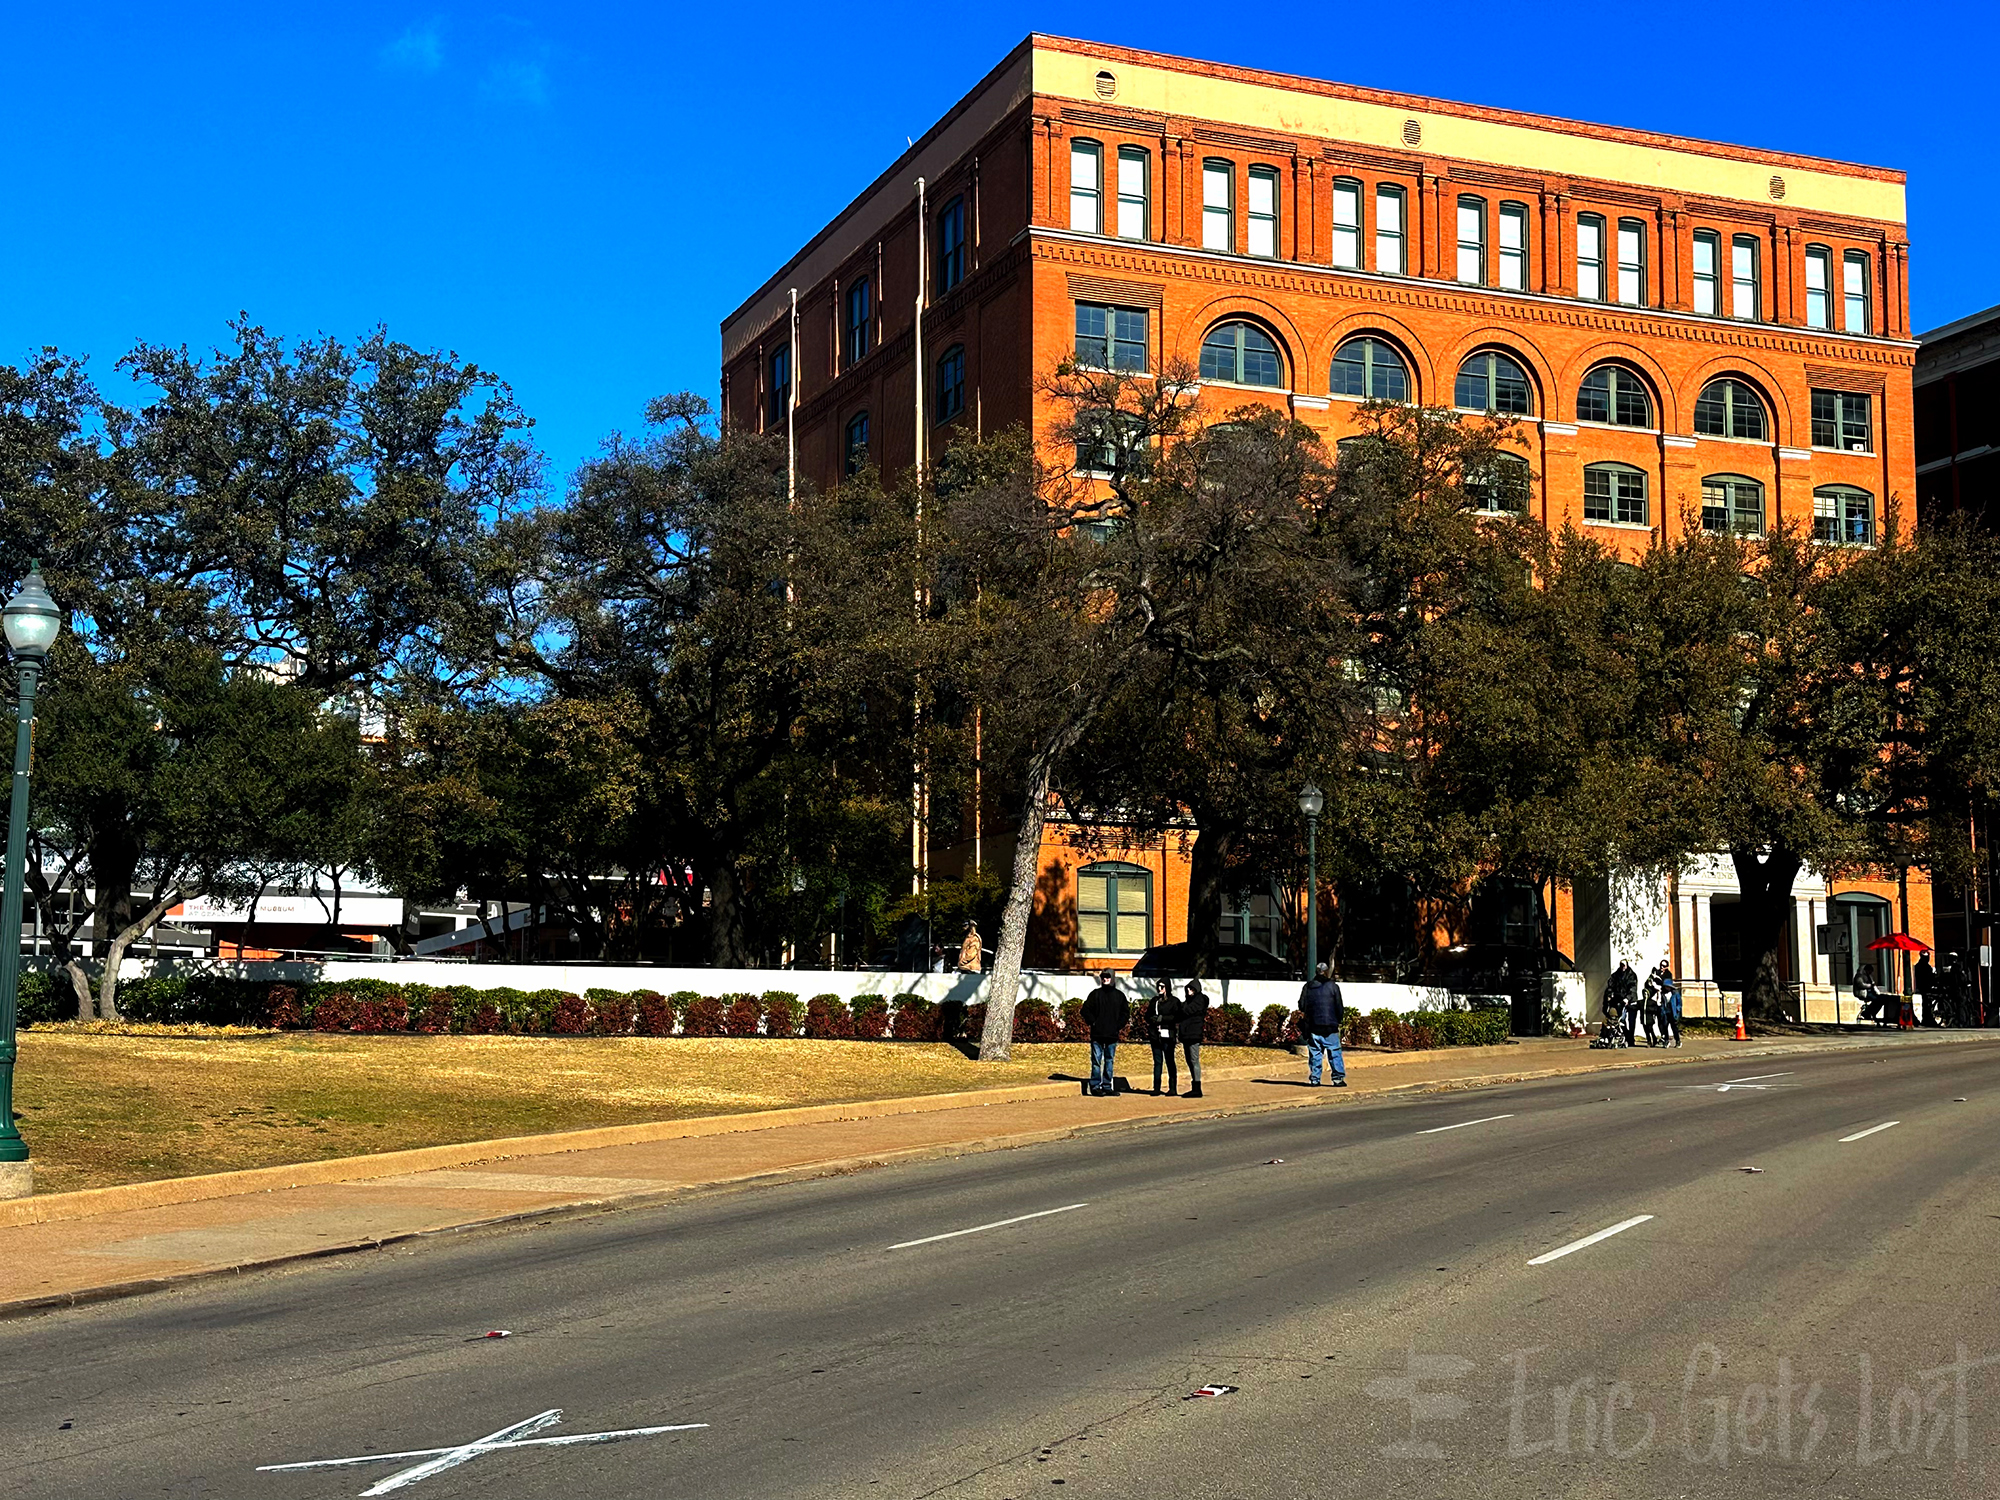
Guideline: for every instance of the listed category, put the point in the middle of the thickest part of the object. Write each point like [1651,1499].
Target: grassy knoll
[101,1107]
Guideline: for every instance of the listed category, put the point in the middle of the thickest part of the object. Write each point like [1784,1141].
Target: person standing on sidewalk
[1649,1008]
[1192,1022]
[1162,1013]
[1321,1009]
[1670,1005]
[1927,987]
[1104,1012]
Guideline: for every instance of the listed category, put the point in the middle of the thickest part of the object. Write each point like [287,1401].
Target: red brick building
[1688,331]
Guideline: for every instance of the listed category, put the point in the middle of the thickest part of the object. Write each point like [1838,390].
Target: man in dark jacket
[1192,1026]
[1322,1013]
[1105,1013]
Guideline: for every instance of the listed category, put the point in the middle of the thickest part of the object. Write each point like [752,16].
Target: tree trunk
[1765,884]
[1207,869]
[114,862]
[728,943]
[124,938]
[996,1037]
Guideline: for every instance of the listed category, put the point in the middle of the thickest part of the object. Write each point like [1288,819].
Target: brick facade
[1005,155]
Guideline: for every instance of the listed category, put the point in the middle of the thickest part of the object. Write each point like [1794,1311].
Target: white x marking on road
[437,1460]
[1754,1083]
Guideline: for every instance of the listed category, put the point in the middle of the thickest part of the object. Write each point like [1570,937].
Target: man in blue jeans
[1322,1012]
[1105,1013]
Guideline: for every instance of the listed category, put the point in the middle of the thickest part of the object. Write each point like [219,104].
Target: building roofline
[900,165]
[1424,103]
[1961,325]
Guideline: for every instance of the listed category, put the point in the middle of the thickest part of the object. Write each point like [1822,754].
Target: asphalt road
[1824,1326]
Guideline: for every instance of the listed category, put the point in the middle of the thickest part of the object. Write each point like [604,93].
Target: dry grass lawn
[100,1108]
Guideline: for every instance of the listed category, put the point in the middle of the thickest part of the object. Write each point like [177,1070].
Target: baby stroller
[1613,1032]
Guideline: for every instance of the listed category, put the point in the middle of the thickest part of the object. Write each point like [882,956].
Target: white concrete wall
[1252,994]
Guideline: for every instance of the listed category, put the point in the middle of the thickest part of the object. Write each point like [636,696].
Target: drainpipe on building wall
[791,406]
[919,790]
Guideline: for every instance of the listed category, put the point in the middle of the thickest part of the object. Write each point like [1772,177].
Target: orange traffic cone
[1741,1034]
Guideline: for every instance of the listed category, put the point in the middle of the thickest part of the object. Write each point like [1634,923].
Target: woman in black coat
[1162,1013]
[1191,1021]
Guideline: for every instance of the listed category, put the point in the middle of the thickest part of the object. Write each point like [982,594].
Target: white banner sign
[355,911]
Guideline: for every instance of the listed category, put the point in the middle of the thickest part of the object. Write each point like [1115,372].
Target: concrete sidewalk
[76,1247]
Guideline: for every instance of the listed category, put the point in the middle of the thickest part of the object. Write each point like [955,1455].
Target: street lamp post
[31,622]
[1310,802]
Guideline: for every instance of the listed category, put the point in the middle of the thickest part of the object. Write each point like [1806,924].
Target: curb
[842,1166]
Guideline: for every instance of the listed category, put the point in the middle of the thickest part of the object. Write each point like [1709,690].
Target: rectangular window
[1707,272]
[1389,231]
[1264,212]
[1110,338]
[1218,206]
[1732,504]
[1854,292]
[1590,257]
[1472,241]
[781,385]
[1514,247]
[860,320]
[1347,225]
[1086,187]
[1743,299]
[1844,517]
[1840,419]
[1819,286]
[1133,175]
[951,245]
[1632,262]
[1114,909]
[1614,495]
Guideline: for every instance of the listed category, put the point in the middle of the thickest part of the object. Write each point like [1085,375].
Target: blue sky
[574,195]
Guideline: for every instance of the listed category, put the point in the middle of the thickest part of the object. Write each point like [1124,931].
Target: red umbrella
[1899,942]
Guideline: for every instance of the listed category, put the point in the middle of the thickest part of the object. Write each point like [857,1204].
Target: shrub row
[377,1006]
[1420,1029]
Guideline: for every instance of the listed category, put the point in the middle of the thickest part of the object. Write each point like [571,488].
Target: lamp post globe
[30,621]
[1311,802]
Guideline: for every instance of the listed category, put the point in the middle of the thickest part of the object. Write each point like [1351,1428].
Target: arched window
[1613,394]
[1493,382]
[1854,919]
[1134,187]
[1729,408]
[1370,368]
[1843,516]
[1731,503]
[1114,908]
[1501,488]
[1615,493]
[855,450]
[951,383]
[1086,186]
[951,245]
[1241,352]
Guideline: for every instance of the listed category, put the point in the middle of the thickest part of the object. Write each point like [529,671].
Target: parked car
[1232,961]
[1496,968]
